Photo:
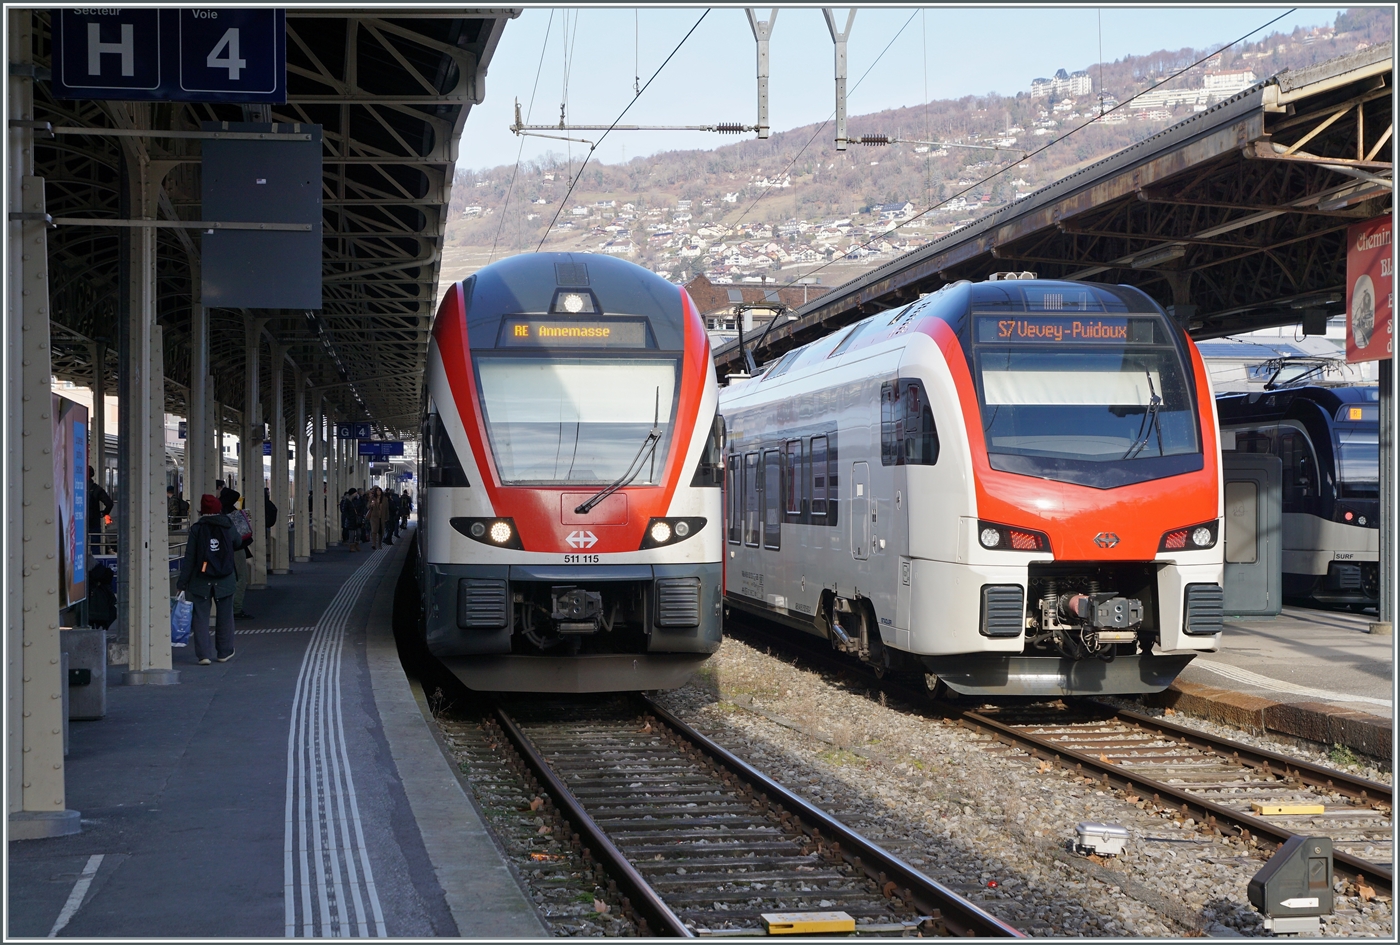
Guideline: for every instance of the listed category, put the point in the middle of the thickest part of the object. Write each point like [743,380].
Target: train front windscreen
[1095,399]
[577,421]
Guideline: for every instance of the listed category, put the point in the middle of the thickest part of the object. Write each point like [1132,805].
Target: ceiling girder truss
[391,90]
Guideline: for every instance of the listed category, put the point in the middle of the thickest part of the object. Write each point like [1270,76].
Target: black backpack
[213,550]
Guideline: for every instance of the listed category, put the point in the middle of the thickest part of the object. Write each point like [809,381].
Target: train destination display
[573,333]
[1060,329]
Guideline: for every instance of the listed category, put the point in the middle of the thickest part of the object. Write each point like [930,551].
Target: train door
[1253,534]
[860,511]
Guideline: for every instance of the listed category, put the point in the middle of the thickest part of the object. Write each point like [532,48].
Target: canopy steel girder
[392,89]
[1237,216]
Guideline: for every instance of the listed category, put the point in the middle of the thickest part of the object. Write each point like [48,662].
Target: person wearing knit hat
[228,499]
[207,574]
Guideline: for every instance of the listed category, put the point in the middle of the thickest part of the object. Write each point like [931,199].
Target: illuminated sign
[574,333]
[1063,330]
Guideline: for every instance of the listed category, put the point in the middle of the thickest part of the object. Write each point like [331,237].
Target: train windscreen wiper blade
[633,468]
[1149,424]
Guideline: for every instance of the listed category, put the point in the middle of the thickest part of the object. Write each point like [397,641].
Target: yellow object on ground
[1288,808]
[807,923]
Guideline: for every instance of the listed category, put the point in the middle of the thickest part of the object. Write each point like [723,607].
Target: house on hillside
[893,211]
[721,306]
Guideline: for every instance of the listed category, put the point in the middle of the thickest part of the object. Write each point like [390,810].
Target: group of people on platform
[215,568]
[374,516]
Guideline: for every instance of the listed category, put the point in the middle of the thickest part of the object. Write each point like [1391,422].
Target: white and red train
[1012,485]
[571,538]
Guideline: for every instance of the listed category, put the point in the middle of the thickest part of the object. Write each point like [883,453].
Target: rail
[677,845]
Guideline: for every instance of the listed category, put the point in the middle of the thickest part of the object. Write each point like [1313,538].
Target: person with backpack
[350,521]
[207,574]
[243,540]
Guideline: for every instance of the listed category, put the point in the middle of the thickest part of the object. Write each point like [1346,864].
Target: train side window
[444,468]
[1253,441]
[772,499]
[792,479]
[891,426]
[920,436]
[709,469]
[735,499]
[1299,469]
[751,511]
[818,463]
[833,481]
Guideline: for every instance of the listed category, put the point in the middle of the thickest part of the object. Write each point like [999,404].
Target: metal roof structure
[392,89]
[1235,218]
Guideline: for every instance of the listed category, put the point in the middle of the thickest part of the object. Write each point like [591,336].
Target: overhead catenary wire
[574,178]
[1042,149]
[511,188]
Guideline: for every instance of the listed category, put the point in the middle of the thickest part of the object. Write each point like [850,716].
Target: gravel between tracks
[936,795]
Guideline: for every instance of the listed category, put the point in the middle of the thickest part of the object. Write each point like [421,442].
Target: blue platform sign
[381,447]
[359,430]
[170,55]
[267,447]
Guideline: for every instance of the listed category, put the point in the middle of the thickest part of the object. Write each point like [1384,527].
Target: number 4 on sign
[231,62]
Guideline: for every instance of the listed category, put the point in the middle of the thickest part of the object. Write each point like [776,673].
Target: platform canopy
[1235,218]
[392,89]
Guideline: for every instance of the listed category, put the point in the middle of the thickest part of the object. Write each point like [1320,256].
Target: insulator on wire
[729,128]
[874,140]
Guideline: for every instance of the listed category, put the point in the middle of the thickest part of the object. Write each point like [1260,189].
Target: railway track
[700,843]
[1214,781]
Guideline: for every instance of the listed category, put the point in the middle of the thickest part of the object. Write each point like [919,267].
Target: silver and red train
[570,534]
[1012,485]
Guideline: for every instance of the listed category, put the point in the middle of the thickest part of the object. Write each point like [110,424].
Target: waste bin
[86,650]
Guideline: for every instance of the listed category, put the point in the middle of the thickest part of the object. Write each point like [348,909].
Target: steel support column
[319,486]
[97,423]
[33,708]
[301,477]
[277,436]
[197,432]
[1385,617]
[250,462]
[143,566]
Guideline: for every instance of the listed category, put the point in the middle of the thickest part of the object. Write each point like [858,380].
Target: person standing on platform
[391,517]
[405,506]
[242,554]
[350,520]
[99,505]
[207,574]
[362,515]
[377,514]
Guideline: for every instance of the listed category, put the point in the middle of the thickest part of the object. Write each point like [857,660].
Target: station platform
[296,790]
[1313,674]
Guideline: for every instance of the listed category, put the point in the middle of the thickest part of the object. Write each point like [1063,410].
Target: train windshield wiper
[1149,422]
[635,467]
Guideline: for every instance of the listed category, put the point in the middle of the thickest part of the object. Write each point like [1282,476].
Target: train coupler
[576,610]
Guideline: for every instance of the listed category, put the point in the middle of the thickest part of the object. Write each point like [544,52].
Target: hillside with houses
[792,209]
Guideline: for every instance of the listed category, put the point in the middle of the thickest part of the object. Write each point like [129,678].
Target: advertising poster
[70,422]
[1370,298]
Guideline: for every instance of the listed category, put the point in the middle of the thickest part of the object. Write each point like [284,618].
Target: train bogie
[988,486]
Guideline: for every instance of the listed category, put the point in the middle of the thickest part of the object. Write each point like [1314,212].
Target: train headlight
[668,531]
[497,532]
[574,302]
[1008,538]
[1191,538]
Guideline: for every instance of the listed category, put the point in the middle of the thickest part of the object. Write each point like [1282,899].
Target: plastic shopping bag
[181,613]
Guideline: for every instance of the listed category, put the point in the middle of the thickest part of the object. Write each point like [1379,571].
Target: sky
[950,52]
